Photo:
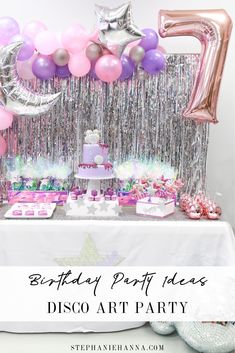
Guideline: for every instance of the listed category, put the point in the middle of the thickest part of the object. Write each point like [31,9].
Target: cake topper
[92,136]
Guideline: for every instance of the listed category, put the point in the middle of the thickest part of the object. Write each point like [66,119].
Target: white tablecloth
[127,243]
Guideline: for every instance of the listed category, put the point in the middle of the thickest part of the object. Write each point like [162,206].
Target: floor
[63,343]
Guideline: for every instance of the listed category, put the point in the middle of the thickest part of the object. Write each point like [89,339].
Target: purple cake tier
[94,171]
[90,151]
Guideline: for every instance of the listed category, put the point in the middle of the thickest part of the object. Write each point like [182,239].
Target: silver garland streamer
[138,118]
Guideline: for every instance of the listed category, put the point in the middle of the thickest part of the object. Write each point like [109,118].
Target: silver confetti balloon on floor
[163,327]
[203,337]
[138,118]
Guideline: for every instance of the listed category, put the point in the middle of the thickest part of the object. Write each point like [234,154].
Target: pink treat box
[58,197]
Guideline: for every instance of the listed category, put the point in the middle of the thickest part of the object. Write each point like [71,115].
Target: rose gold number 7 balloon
[213,29]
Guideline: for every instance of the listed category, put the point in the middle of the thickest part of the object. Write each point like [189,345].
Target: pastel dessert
[29,213]
[95,163]
[42,213]
[110,195]
[17,212]
[73,196]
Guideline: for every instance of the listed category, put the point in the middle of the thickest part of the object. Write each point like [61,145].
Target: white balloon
[94,138]
[87,139]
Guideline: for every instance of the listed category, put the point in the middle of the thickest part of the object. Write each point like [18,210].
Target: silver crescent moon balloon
[17,98]
[116,27]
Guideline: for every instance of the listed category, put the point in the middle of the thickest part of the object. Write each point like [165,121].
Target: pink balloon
[27,49]
[79,64]
[46,42]
[6,119]
[24,68]
[94,36]
[75,38]
[133,44]
[3,146]
[59,40]
[108,68]
[161,49]
[32,28]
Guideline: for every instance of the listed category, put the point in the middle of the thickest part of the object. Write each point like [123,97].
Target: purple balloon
[8,28]
[153,61]
[62,71]
[43,67]
[127,67]
[92,72]
[27,49]
[150,41]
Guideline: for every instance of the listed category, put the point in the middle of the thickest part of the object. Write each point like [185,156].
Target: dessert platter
[31,210]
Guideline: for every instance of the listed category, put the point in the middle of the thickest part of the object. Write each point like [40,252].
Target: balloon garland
[113,51]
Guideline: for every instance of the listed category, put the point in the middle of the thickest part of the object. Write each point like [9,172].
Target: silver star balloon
[116,27]
[15,97]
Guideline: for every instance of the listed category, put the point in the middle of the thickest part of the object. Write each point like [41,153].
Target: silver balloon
[207,337]
[93,51]
[116,28]
[203,337]
[16,98]
[162,327]
[61,57]
[137,54]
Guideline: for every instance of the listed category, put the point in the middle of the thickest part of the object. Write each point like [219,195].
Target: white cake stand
[94,183]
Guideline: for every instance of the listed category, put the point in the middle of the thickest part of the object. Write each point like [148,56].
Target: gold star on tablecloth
[90,256]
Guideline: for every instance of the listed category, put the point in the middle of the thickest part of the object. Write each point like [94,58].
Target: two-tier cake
[95,167]
[95,164]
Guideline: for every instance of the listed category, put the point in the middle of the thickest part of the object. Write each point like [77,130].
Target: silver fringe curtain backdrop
[139,118]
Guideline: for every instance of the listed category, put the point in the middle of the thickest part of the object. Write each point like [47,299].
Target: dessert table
[128,240]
